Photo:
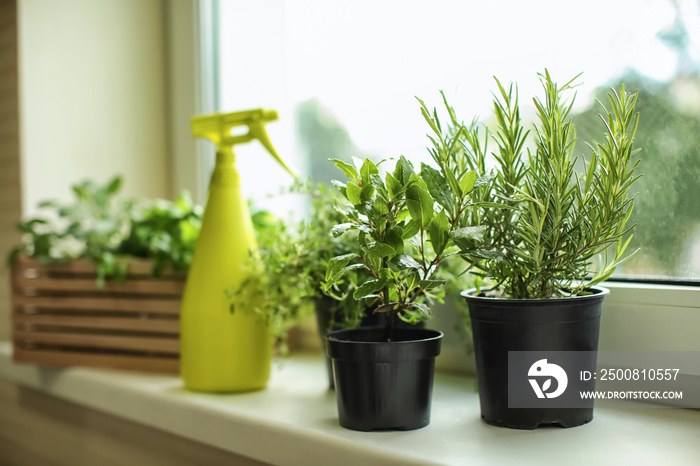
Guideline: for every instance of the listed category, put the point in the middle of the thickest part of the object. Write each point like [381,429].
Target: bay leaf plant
[559,223]
[407,224]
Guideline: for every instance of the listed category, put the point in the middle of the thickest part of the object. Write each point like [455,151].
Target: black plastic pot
[383,385]
[503,325]
[324,313]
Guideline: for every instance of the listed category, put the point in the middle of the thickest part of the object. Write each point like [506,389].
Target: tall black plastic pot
[503,325]
[383,385]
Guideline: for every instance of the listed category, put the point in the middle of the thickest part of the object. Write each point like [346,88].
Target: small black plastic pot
[502,325]
[324,307]
[383,385]
[324,315]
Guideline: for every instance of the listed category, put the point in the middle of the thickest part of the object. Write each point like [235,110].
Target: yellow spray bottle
[224,351]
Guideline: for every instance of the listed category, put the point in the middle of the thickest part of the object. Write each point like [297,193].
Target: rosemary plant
[554,232]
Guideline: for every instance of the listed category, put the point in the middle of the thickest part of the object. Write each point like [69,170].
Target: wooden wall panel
[10,199]
[39,429]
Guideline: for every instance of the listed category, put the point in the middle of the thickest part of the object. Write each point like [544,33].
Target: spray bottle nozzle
[218,129]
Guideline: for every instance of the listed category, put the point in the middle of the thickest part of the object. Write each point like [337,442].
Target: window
[343,75]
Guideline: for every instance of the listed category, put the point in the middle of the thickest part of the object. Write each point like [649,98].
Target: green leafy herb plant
[109,232]
[407,224]
[288,268]
[551,232]
[164,231]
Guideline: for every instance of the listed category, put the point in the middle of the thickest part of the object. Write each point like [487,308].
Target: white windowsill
[294,421]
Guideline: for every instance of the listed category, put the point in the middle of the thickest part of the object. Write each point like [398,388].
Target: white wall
[92,96]
[92,104]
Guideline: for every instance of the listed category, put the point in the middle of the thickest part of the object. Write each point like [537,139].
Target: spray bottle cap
[217,128]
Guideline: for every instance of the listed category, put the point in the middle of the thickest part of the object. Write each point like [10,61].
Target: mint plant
[164,231]
[109,232]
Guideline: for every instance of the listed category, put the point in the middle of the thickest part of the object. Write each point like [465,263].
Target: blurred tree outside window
[343,75]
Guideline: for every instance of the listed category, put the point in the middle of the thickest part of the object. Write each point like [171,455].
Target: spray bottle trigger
[258,131]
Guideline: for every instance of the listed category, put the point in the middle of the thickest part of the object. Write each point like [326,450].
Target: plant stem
[390,316]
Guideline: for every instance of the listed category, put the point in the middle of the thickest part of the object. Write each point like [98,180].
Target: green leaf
[414,179]
[405,262]
[420,313]
[485,180]
[412,228]
[466,184]
[394,187]
[471,233]
[13,255]
[393,239]
[340,274]
[452,181]
[367,193]
[114,185]
[439,232]
[384,308]
[484,254]
[28,226]
[403,216]
[47,204]
[431,284]
[437,186]
[349,170]
[336,265]
[366,207]
[379,250]
[403,171]
[367,170]
[364,228]
[354,193]
[420,205]
[380,207]
[351,267]
[369,288]
[341,228]
[379,185]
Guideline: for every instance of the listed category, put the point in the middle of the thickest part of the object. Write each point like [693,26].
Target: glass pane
[344,73]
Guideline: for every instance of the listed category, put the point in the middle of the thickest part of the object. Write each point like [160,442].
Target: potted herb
[553,236]
[111,232]
[98,281]
[290,266]
[277,281]
[333,308]
[407,224]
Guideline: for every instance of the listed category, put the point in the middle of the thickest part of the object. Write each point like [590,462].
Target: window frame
[639,314]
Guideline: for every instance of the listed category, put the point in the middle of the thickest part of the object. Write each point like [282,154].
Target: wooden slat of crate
[164,306]
[65,359]
[85,266]
[105,323]
[151,287]
[82,340]
[62,318]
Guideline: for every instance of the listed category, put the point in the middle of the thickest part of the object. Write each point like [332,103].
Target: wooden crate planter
[61,318]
